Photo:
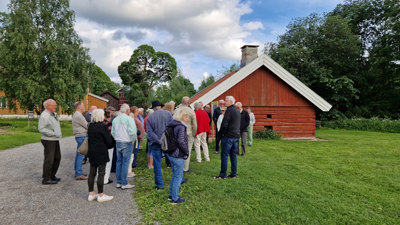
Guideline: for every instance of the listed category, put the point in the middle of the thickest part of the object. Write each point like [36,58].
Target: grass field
[15,132]
[353,178]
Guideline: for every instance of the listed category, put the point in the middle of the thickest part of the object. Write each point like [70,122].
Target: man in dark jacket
[217,113]
[244,123]
[230,133]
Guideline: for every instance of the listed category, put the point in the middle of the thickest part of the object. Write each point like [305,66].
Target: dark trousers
[52,158]
[114,160]
[243,138]
[100,177]
[217,140]
[229,146]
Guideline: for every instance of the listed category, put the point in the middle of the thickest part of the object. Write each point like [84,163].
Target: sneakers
[180,200]
[104,198]
[91,197]
[128,186]
[170,198]
[119,186]
[230,176]
[219,178]
[131,174]
[188,171]
[109,181]
[81,178]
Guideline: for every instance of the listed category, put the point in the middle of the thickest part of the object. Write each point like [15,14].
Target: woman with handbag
[99,143]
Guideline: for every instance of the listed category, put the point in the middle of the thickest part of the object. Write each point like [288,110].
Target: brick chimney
[249,53]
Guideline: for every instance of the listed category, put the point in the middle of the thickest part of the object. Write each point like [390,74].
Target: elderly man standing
[49,127]
[124,132]
[156,124]
[244,123]
[80,127]
[250,127]
[191,128]
[203,129]
[217,113]
[230,132]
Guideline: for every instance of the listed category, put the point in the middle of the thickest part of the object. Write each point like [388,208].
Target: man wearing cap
[156,125]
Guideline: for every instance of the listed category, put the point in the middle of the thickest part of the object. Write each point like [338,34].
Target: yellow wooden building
[89,100]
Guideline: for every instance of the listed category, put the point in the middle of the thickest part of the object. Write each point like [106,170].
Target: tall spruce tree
[41,56]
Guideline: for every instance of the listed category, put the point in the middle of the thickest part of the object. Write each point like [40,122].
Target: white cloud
[205,75]
[183,26]
[256,25]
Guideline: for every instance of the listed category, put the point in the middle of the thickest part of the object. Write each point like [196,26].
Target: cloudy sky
[202,35]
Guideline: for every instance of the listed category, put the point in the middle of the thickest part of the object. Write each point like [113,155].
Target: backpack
[168,141]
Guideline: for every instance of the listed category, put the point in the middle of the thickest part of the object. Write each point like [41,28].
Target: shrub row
[267,134]
[374,124]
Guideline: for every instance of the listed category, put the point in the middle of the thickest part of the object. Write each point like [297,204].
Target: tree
[177,88]
[226,70]
[41,55]
[99,82]
[377,24]
[324,54]
[145,70]
[206,82]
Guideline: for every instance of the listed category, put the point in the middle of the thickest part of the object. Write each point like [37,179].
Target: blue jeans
[156,152]
[124,153]
[79,157]
[135,152]
[228,146]
[177,165]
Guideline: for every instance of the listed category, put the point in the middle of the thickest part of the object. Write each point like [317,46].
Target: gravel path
[24,200]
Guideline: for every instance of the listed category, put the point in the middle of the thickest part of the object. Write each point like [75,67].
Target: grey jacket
[79,125]
[49,126]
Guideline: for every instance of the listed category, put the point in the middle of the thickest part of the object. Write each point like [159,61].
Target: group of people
[115,138]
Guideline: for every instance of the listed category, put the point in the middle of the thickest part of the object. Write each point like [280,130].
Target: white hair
[197,105]
[116,113]
[238,104]
[140,109]
[231,98]
[124,108]
[47,102]
[98,115]
[179,114]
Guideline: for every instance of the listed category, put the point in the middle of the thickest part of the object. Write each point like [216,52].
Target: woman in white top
[250,127]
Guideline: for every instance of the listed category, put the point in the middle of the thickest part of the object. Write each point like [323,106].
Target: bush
[267,134]
[374,124]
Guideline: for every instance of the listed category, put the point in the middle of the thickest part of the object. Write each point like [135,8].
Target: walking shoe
[184,180]
[180,200]
[91,197]
[187,171]
[46,182]
[219,178]
[104,198]
[81,178]
[56,179]
[119,186]
[170,198]
[131,174]
[109,181]
[230,176]
[128,186]
[157,188]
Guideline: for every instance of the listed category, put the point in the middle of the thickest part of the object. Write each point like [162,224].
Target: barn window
[269,116]
[269,127]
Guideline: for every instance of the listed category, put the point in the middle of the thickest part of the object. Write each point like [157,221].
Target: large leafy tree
[41,56]
[177,88]
[144,71]
[324,54]
[99,82]
[377,23]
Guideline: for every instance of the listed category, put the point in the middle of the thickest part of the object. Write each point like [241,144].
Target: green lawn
[19,134]
[354,178]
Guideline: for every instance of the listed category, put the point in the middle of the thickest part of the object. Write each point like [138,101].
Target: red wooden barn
[278,99]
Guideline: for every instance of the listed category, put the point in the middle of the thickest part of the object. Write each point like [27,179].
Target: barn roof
[98,97]
[228,81]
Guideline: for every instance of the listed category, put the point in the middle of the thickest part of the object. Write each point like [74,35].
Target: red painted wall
[291,114]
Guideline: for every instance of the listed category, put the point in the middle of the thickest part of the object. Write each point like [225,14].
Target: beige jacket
[79,125]
[192,126]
